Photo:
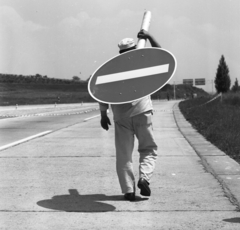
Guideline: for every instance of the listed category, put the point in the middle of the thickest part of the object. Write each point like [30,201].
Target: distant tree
[76,78]
[235,87]
[166,87]
[222,79]
[38,75]
[87,80]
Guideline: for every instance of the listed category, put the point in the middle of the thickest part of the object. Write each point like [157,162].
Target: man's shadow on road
[82,203]
[233,220]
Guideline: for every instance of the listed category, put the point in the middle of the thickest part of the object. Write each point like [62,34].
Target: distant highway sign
[200,81]
[188,81]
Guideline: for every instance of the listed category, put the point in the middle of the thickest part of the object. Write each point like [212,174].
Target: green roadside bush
[218,121]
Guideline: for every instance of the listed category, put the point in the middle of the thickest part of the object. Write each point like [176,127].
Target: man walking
[133,119]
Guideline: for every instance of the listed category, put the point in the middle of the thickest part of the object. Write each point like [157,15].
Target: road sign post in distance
[132,75]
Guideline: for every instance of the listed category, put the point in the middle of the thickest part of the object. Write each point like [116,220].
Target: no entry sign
[132,75]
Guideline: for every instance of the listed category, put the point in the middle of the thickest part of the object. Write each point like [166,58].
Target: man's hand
[105,122]
[143,34]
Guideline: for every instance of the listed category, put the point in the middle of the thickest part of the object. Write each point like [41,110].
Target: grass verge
[30,94]
[218,122]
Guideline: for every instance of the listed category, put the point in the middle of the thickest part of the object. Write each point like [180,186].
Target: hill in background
[29,90]
[182,91]
[37,89]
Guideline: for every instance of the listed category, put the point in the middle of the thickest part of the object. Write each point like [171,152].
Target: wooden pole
[145,25]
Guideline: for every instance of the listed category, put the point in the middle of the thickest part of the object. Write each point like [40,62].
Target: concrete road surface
[67,180]
[31,121]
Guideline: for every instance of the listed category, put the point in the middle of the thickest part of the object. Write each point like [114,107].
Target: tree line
[222,79]
[38,79]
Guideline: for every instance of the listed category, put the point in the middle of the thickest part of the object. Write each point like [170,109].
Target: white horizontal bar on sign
[127,75]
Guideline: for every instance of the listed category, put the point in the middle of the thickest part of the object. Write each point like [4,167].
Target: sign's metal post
[145,25]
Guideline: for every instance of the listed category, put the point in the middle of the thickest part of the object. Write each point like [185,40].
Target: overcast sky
[66,38]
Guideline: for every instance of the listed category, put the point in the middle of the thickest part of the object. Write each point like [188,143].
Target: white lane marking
[48,114]
[89,118]
[24,140]
[132,74]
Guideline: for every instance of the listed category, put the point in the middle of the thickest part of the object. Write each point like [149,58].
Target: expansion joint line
[119,211]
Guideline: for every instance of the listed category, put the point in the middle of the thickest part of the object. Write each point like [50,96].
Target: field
[12,93]
[218,121]
[28,94]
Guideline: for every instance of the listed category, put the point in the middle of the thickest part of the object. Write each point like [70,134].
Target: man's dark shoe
[143,185]
[130,196]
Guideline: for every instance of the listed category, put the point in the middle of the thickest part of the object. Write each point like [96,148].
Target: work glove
[105,122]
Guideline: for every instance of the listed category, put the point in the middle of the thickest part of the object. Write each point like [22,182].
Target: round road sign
[132,75]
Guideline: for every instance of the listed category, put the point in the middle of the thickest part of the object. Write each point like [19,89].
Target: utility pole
[212,87]
[174,91]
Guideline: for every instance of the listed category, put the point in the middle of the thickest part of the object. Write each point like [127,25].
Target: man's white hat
[126,43]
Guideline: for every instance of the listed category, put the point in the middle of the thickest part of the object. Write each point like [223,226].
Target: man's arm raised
[146,35]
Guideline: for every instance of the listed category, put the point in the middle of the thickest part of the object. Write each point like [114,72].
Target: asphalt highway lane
[18,129]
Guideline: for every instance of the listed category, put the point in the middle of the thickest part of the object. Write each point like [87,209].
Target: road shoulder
[222,167]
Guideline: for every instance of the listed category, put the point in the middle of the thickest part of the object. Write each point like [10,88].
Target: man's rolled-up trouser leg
[147,145]
[124,143]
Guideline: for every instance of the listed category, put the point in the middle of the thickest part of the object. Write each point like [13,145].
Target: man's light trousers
[125,130]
